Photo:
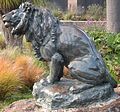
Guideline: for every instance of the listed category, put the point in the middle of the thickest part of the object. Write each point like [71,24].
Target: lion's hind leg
[86,71]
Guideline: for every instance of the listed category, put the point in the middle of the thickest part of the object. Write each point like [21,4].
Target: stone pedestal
[71,94]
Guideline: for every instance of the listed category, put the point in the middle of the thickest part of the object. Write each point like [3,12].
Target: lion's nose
[5,19]
[3,16]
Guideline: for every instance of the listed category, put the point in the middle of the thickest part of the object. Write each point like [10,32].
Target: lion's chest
[48,50]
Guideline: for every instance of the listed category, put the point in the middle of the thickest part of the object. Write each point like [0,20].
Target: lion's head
[35,22]
[18,19]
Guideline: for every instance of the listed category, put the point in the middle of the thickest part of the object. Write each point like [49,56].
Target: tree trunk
[11,40]
[113,16]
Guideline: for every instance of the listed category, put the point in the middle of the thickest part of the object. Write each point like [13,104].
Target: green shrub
[58,13]
[69,16]
[95,12]
[109,46]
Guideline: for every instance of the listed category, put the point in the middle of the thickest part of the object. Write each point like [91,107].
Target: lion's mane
[44,25]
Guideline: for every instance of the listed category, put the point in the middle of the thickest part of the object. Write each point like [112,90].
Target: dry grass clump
[2,42]
[17,71]
[10,53]
[9,78]
[66,71]
[29,72]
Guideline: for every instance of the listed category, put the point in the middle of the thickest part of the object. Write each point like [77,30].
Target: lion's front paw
[51,80]
[48,80]
[45,82]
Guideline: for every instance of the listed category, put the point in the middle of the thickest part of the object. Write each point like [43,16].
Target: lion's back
[73,42]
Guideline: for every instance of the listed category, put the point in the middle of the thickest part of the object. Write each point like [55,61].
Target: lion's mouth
[6,21]
[7,24]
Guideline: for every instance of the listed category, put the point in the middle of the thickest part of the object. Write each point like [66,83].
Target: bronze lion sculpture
[62,45]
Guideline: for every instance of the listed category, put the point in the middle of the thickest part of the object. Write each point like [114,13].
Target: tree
[6,6]
[113,16]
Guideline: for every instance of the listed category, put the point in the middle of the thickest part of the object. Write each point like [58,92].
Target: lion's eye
[13,15]
[14,11]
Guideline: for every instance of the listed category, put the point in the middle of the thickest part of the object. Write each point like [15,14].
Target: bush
[9,78]
[30,69]
[95,12]
[30,73]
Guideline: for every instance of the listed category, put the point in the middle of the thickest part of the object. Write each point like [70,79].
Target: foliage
[29,72]
[109,46]
[66,73]
[71,16]
[43,3]
[95,12]
[10,52]
[58,14]
[9,78]
[7,5]
[15,97]
[2,42]
[23,65]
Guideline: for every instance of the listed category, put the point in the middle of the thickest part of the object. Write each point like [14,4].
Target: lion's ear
[28,9]
[27,6]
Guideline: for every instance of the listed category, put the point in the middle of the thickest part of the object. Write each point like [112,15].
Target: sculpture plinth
[70,94]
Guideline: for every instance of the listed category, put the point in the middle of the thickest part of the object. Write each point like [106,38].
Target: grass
[2,42]
[15,97]
[9,78]
[13,62]
[30,73]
